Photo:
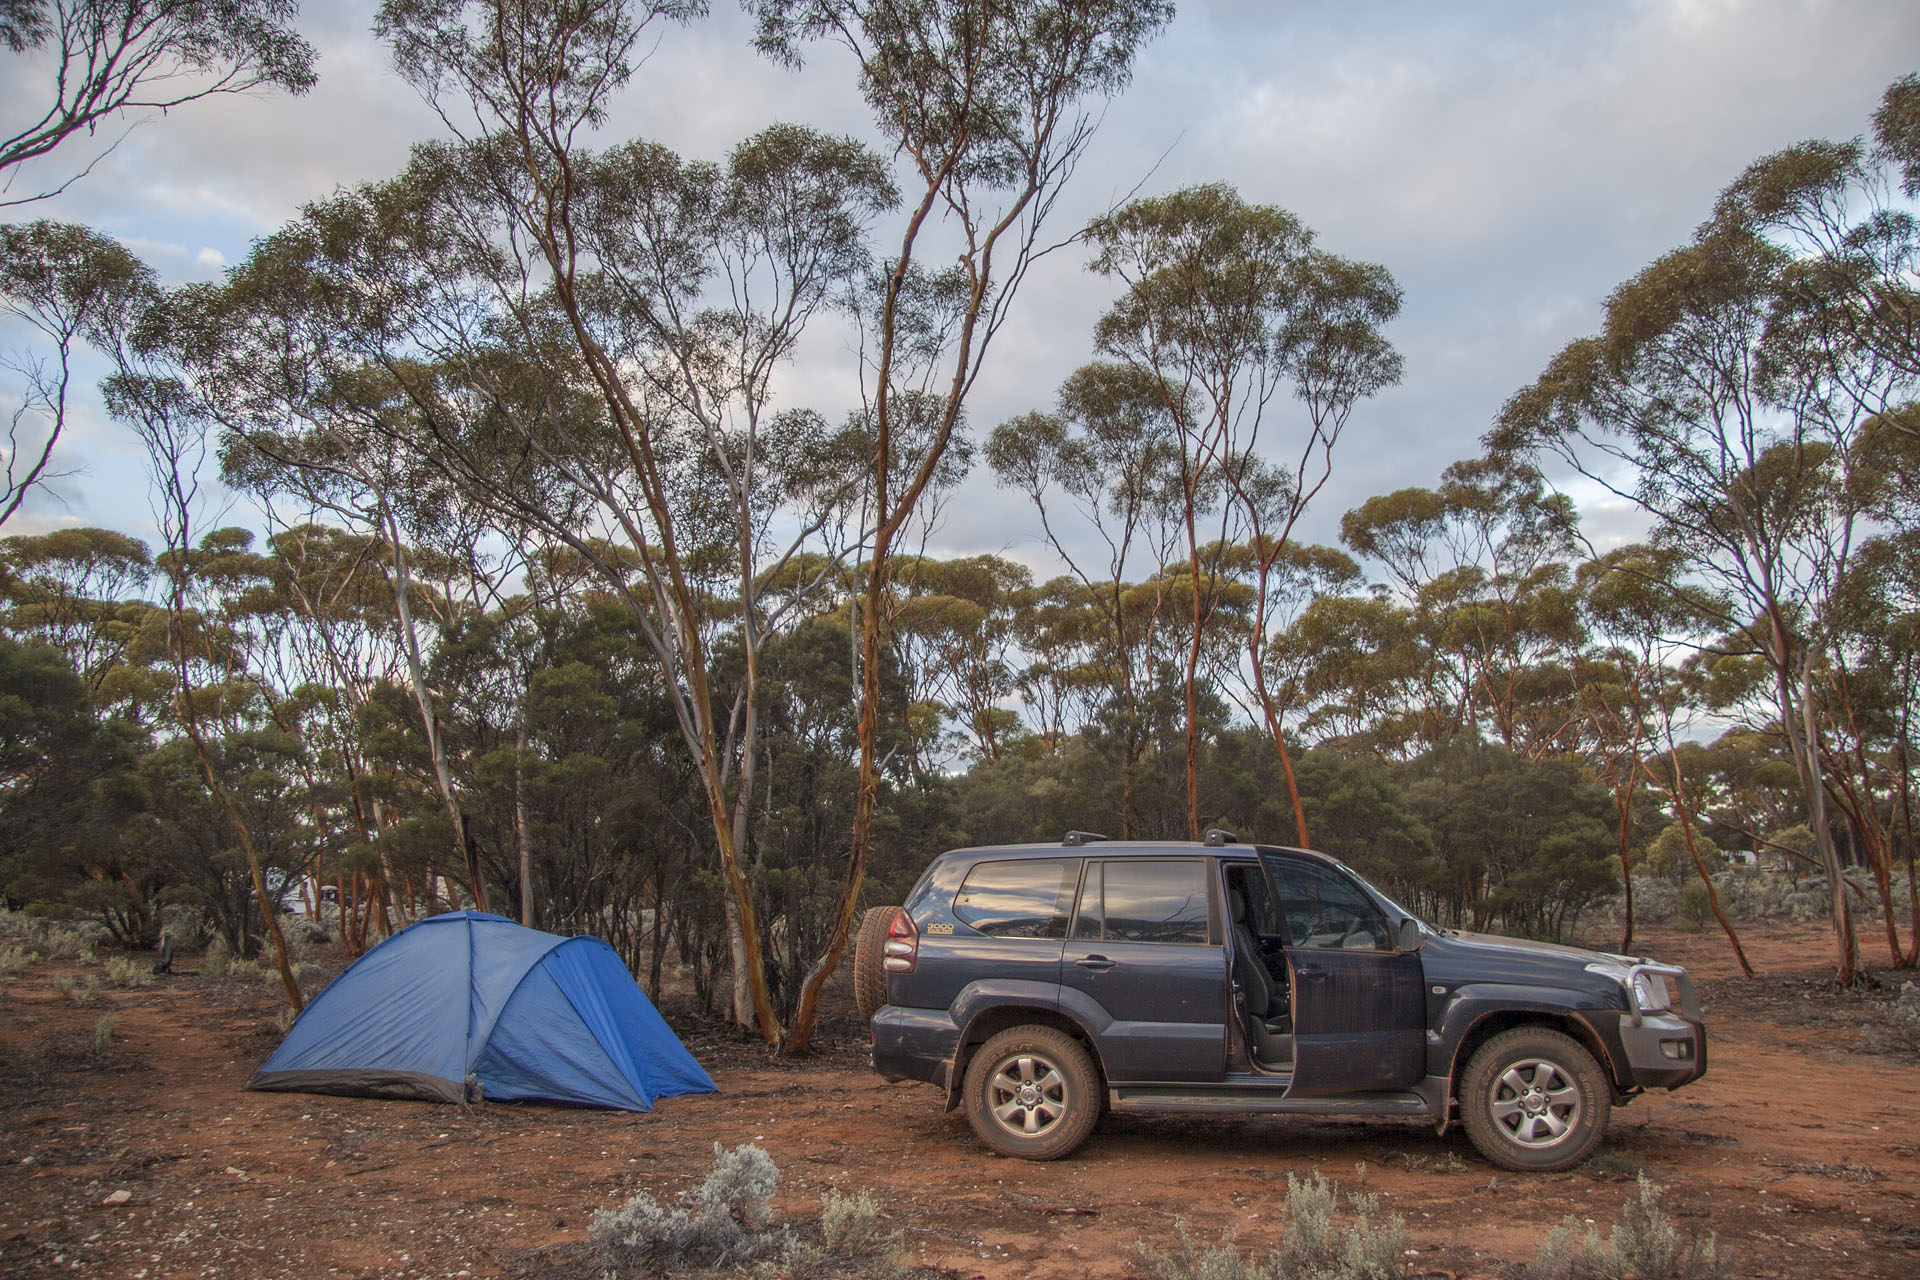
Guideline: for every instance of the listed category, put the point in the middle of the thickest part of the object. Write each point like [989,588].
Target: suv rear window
[1029,898]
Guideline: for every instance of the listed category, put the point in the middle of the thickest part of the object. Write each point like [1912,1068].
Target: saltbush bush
[122,972]
[1312,1244]
[14,960]
[1746,895]
[71,941]
[1902,1023]
[102,1039]
[1643,1245]
[725,1222]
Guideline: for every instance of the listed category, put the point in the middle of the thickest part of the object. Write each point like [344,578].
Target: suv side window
[1323,910]
[1146,901]
[1028,898]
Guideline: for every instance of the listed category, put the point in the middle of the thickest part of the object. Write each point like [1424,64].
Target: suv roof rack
[1074,839]
[1217,836]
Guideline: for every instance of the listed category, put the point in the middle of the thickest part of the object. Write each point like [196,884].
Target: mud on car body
[1039,985]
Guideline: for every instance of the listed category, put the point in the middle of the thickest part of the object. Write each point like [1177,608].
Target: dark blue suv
[1041,984]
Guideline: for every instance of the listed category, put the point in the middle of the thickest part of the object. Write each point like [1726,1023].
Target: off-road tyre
[1032,1093]
[1534,1100]
[869,961]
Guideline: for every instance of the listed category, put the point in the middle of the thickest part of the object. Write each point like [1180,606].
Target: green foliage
[1691,905]
[63,771]
[1526,843]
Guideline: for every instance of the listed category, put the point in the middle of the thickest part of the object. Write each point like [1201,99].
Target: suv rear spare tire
[1534,1100]
[1032,1092]
[869,961]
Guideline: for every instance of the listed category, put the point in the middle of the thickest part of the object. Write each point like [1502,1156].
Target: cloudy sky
[1510,163]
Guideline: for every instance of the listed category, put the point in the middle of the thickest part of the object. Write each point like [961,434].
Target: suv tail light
[903,944]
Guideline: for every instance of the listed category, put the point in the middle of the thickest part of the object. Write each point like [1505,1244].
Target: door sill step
[1264,1095]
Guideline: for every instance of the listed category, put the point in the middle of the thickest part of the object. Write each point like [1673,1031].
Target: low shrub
[1313,1246]
[849,1242]
[850,1224]
[221,963]
[1900,1027]
[54,939]
[727,1221]
[122,972]
[102,1040]
[15,959]
[1692,906]
[81,994]
[1643,1245]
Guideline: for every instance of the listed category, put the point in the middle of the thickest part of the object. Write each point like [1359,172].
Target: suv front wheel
[1032,1092]
[1534,1100]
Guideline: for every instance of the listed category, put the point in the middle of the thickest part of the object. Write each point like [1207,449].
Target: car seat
[1269,1019]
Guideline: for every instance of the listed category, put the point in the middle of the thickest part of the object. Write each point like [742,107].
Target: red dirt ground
[1800,1149]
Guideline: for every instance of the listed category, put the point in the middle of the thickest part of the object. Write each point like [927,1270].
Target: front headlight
[1651,993]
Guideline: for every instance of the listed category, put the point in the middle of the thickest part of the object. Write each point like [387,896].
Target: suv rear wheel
[1534,1100]
[869,961]
[1032,1092]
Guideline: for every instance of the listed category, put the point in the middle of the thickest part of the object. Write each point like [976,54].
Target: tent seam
[521,981]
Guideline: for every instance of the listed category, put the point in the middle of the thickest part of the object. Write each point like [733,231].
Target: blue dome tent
[471,997]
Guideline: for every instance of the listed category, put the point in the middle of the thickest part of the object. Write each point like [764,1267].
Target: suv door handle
[1099,964]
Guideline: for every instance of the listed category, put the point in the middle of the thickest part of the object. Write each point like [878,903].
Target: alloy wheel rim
[1027,1095]
[1535,1103]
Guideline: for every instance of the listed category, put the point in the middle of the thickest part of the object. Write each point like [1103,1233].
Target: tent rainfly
[469,1003]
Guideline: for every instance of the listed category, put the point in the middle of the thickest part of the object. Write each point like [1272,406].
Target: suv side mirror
[1407,936]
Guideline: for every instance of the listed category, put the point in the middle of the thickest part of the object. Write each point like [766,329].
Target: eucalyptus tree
[1875,683]
[1108,452]
[1699,409]
[1284,577]
[1639,697]
[102,61]
[991,106]
[1480,561]
[79,591]
[337,638]
[1227,305]
[156,395]
[74,288]
[327,451]
[1353,668]
[1848,306]
[665,295]
[1058,628]
[958,616]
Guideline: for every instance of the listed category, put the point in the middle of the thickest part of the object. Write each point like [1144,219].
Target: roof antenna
[1217,836]
[1074,839]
